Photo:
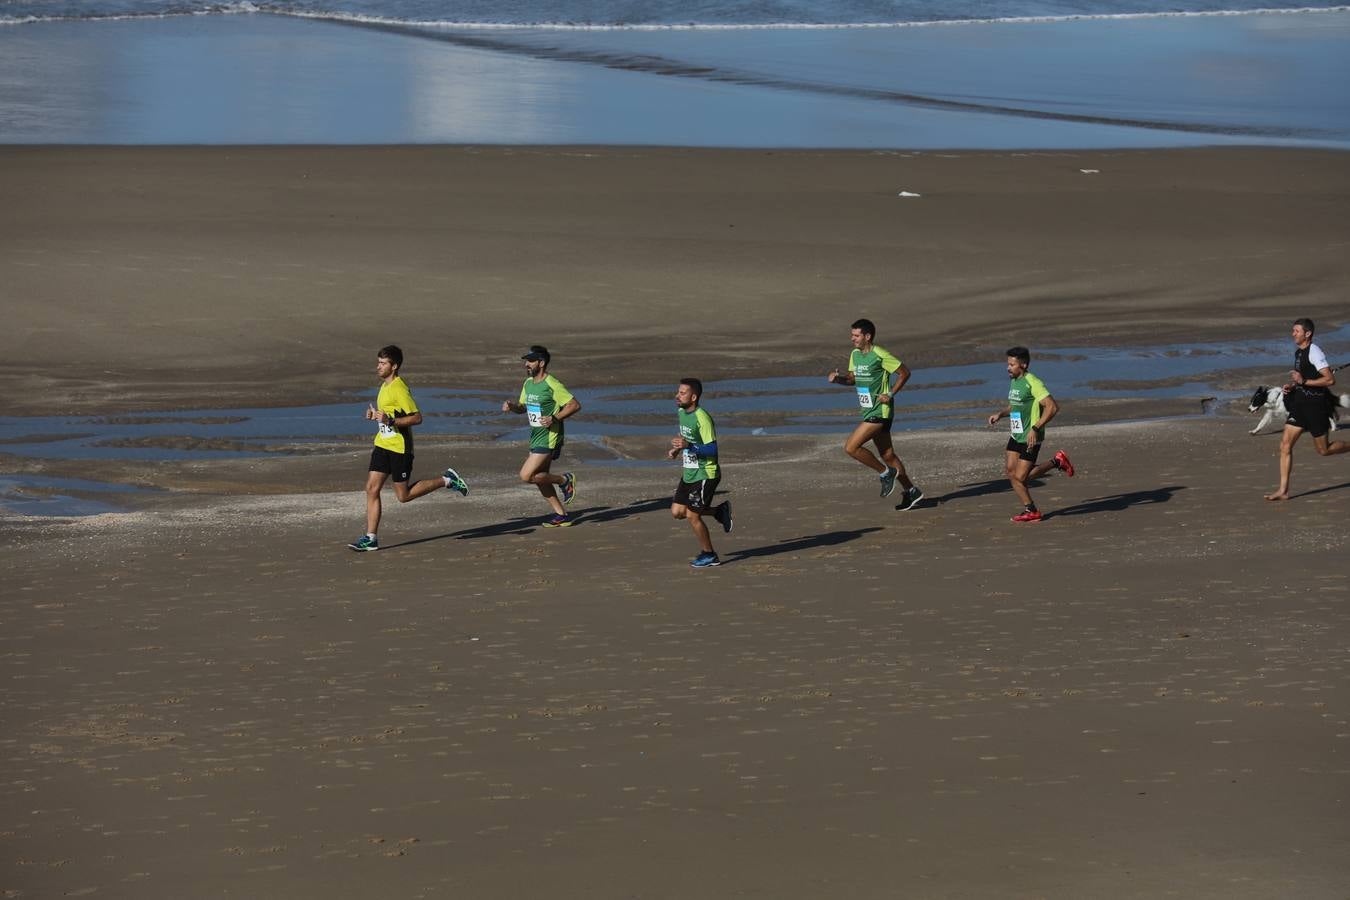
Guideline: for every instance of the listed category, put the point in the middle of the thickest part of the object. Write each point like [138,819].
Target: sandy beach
[153,278]
[1141,696]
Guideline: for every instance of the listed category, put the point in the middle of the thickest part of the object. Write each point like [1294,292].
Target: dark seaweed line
[658,65]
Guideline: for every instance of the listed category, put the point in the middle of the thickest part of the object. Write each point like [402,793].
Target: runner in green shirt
[696,448]
[869,370]
[396,413]
[547,403]
[1030,408]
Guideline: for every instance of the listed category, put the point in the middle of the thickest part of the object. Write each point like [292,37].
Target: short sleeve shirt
[871,373]
[1310,364]
[395,400]
[697,428]
[540,399]
[1024,404]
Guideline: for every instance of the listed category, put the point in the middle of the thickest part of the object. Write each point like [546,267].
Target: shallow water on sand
[952,396]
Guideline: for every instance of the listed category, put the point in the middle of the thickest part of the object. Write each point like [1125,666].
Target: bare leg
[1287,442]
[420,489]
[883,443]
[680,511]
[374,484]
[1041,470]
[854,446]
[1019,470]
[700,531]
[535,471]
[1325,448]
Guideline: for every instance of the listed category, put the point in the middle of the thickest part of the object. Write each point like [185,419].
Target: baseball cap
[537,352]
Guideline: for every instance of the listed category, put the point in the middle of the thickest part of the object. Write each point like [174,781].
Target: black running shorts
[697,495]
[399,465]
[1308,411]
[1023,451]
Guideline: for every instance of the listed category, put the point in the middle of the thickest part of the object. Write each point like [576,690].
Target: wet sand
[1137,697]
[1130,699]
[151,278]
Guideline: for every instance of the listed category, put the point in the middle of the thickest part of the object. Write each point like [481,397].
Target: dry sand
[1142,696]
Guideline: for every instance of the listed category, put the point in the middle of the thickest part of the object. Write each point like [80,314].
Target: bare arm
[570,408]
[1048,410]
[407,421]
[1326,378]
[837,377]
[902,376]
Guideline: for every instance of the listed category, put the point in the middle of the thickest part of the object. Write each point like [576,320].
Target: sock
[371,535]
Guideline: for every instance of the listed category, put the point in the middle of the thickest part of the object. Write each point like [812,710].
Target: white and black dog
[1271,399]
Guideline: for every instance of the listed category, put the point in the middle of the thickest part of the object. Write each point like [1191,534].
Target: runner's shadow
[1333,487]
[796,545]
[977,489]
[636,508]
[518,525]
[1117,502]
[527,524]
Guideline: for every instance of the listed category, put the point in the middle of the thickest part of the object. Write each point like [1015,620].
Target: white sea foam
[245,7]
[781,26]
[242,7]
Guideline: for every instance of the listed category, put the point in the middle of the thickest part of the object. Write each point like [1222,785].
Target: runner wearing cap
[547,403]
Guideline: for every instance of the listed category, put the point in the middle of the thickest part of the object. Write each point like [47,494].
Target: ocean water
[636,14]
[791,73]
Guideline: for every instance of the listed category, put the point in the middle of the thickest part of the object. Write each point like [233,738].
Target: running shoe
[365,543]
[1062,461]
[911,500]
[569,487]
[888,481]
[723,515]
[561,521]
[455,483]
[1028,515]
[705,560]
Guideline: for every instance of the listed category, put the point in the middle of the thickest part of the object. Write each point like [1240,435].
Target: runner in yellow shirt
[396,413]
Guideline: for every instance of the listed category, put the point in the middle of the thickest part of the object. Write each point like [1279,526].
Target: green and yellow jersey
[697,428]
[544,398]
[871,373]
[1024,404]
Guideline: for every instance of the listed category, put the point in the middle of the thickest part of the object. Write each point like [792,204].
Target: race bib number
[864,397]
[387,430]
[690,459]
[1015,423]
[534,412]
